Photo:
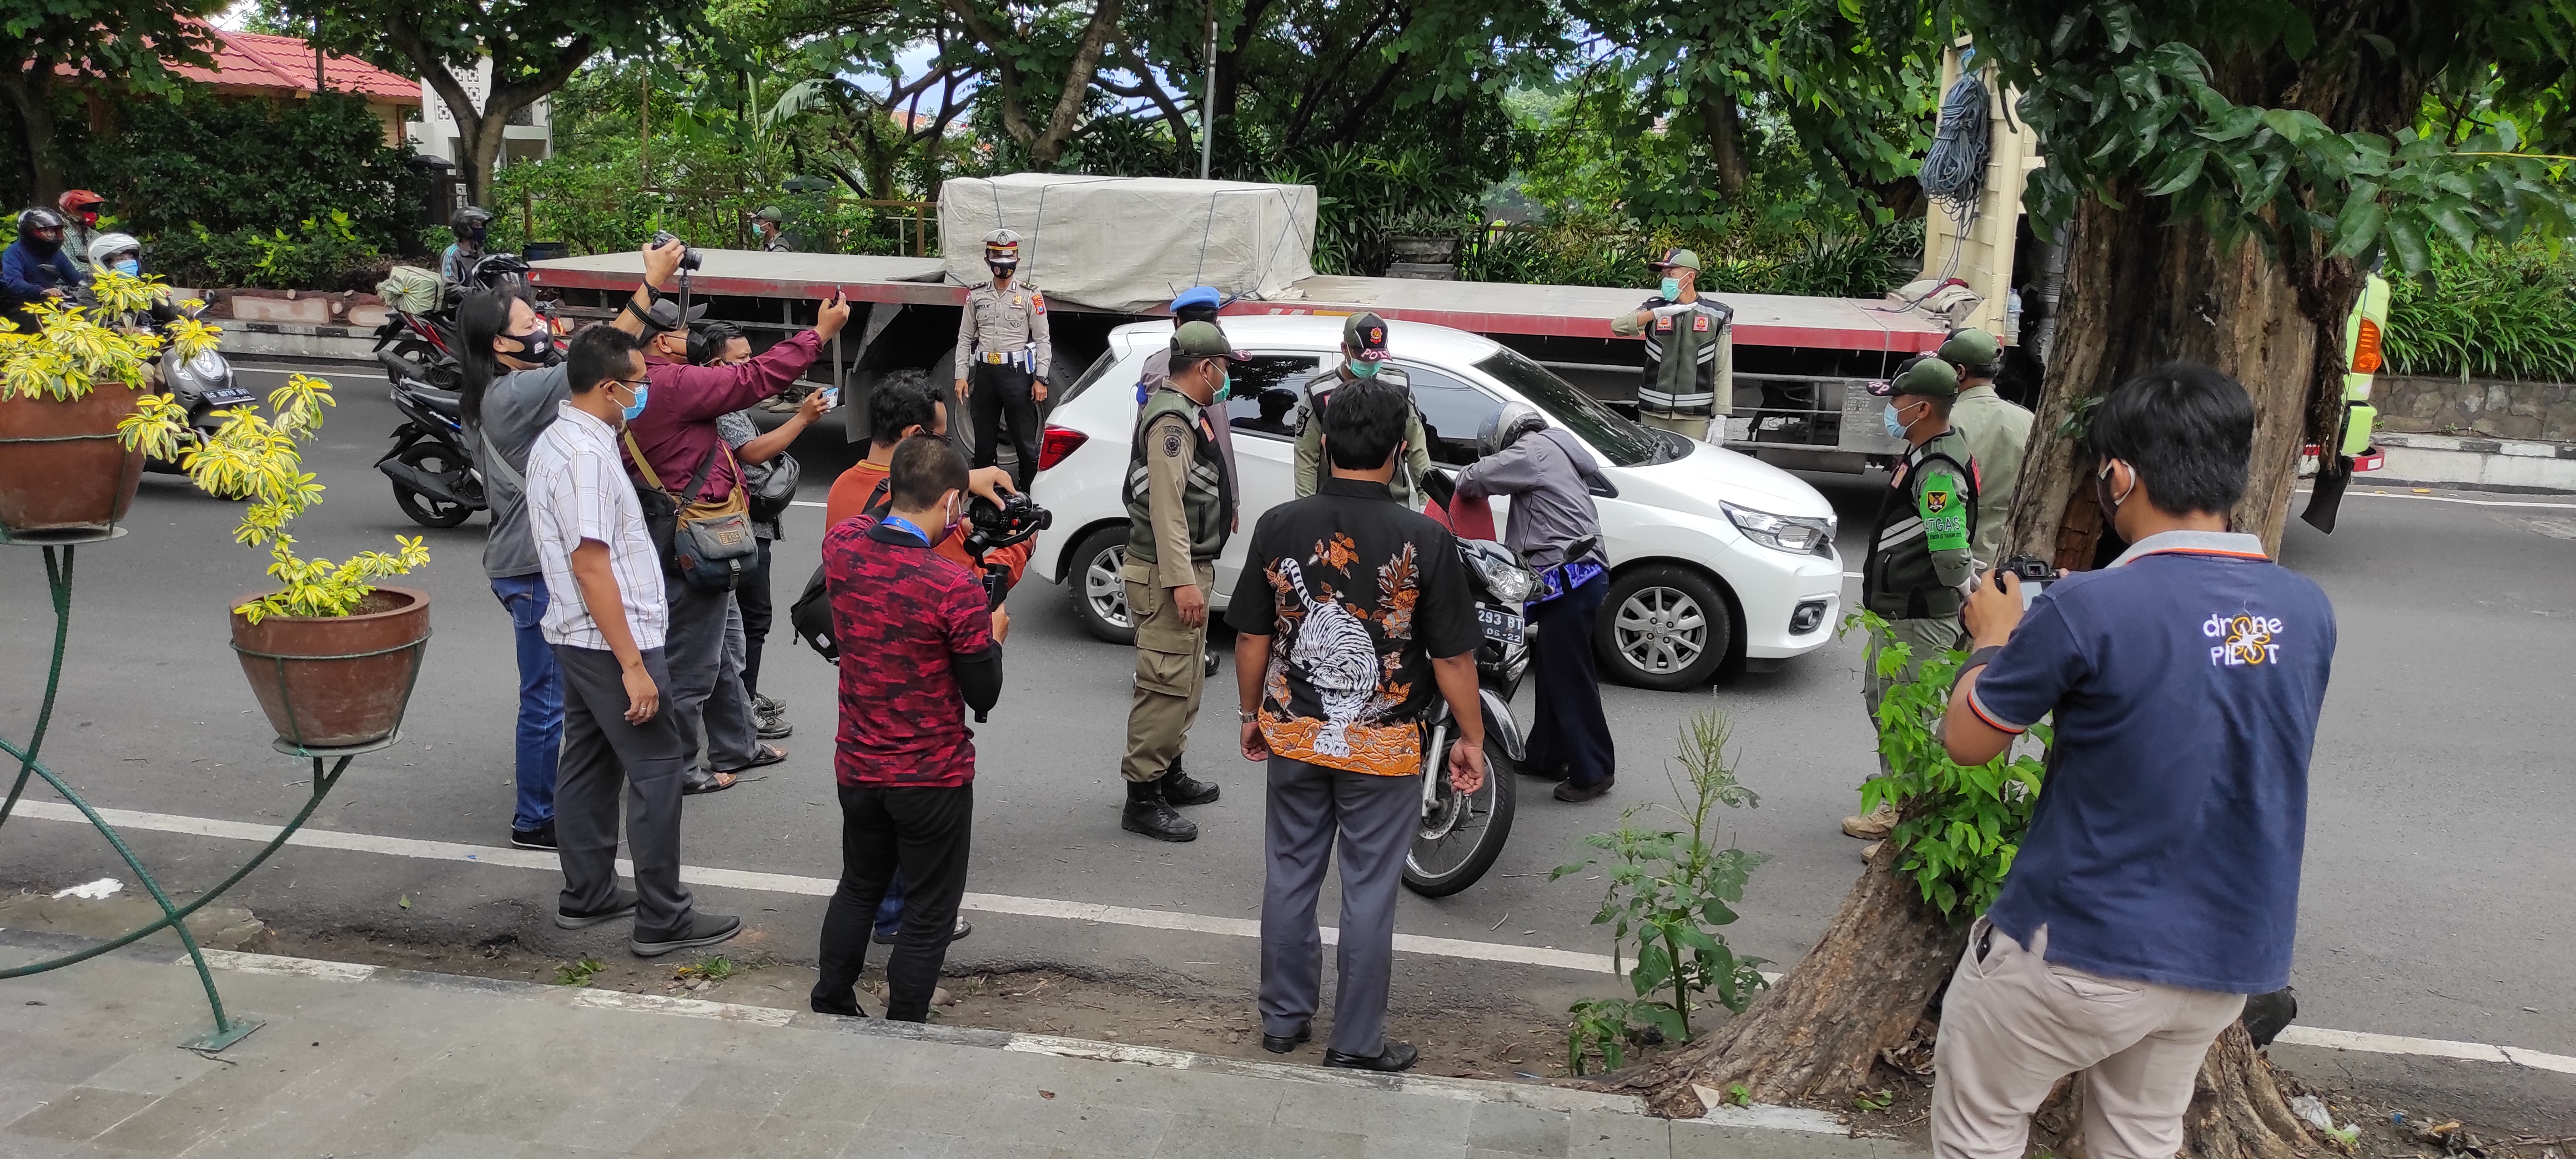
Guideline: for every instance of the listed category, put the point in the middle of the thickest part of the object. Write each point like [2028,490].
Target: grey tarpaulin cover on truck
[1128,244]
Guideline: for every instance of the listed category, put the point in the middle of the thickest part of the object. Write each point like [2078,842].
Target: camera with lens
[2034,573]
[991,525]
[689,258]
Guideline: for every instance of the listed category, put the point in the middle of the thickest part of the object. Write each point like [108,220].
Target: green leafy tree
[533,49]
[121,45]
[2227,171]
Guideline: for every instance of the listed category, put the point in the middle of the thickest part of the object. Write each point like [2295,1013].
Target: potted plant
[331,655]
[64,388]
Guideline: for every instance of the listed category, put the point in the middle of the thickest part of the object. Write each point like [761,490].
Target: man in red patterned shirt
[919,646]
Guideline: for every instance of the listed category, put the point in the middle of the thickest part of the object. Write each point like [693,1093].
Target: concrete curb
[2474,463]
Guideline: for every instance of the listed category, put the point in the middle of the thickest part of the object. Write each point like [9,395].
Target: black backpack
[811,615]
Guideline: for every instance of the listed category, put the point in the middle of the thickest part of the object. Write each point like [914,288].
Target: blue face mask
[635,410]
[1672,289]
[1361,368]
[1895,428]
[129,267]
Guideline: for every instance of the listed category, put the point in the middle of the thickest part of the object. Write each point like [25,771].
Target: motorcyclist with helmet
[1557,532]
[80,233]
[456,266]
[35,268]
[120,253]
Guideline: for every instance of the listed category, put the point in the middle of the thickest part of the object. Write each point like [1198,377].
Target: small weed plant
[578,973]
[1959,825]
[1670,888]
[257,458]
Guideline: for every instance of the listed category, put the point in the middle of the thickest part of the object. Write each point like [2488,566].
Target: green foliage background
[2497,312]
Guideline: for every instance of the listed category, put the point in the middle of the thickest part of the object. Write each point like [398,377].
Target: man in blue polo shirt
[2159,883]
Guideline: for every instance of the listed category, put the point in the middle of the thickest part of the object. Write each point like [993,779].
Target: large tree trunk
[26,88]
[482,140]
[2143,291]
[1818,1032]
[1725,126]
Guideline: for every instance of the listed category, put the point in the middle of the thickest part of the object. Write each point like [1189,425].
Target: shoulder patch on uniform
[1944,512]
[1171,444]
[1663,321]
[1037,302]
[1699,322]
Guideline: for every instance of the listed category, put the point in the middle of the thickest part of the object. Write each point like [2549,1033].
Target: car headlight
[1802,534]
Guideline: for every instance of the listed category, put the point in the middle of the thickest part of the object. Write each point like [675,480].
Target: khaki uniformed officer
[1997,431]
[1917,571]
[1364,356]
[1180,510]
[1688,362]
[1002,359]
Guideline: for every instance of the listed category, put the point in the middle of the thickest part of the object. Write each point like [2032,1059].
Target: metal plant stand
[229,1028]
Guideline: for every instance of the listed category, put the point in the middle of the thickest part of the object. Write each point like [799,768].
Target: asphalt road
[2440,895]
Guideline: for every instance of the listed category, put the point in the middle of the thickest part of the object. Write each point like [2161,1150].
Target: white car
[1713,554]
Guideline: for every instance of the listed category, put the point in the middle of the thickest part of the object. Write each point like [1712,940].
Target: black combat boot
[1179,788]
[1148,813]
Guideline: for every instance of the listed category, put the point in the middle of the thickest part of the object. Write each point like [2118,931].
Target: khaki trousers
[1170,673]
[2013,1024]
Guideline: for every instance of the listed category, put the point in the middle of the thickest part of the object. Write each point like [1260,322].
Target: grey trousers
[695,651]
[1374,819]
[602,754]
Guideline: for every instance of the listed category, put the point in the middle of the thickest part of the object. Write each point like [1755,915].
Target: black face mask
[537,346]
[42,246]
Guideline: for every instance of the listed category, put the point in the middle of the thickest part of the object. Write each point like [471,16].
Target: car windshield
[1625,443]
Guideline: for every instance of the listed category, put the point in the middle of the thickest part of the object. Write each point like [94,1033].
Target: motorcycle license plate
[1500,624]
[229,397]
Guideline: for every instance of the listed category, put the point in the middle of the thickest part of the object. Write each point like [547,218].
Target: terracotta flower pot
[336,681]
[62,473]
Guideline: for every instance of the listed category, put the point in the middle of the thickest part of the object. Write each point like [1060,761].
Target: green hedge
[319,253]
[229,163]
[1862,264]
[2506,312]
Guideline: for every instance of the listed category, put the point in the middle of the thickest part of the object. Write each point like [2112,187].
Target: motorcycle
[204,385]
[1461,834]
[435,480]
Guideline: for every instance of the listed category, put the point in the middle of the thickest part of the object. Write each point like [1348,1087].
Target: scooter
[1460,834]
[204,385]
[435,481]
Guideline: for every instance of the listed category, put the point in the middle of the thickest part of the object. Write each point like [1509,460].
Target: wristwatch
[1244,717]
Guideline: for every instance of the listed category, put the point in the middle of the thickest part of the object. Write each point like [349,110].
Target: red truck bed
[1477,307]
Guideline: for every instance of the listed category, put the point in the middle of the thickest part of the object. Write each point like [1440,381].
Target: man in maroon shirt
[919,646]
[676,436]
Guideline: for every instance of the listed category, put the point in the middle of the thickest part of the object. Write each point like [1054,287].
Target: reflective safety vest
[1680,375]
[2362,358]
[1207,492]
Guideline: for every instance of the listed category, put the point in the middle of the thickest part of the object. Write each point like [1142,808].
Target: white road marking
[274,964]
[1117,915]
[805,503]
[91,891]
[687,1007]
[2452,499]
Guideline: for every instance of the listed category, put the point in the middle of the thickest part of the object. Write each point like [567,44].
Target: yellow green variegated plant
[74,348]
[257,459]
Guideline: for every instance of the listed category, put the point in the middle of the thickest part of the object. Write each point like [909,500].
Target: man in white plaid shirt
[606,619]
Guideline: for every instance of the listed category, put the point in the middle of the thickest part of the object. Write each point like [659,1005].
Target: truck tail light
[1058,443]
[2365,349]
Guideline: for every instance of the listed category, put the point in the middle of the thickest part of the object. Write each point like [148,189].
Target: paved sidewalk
[361,1061]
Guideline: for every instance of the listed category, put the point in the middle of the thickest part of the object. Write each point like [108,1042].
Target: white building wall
[436,133]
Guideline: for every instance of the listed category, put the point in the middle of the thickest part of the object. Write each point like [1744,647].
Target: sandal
[716,782]
[770,754]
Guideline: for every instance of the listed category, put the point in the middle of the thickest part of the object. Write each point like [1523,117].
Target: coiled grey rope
[1954,171]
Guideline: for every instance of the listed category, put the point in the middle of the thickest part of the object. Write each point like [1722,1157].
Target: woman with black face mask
[513,378]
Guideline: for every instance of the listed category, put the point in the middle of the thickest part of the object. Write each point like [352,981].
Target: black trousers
[925,834]
[1001,393]
[752,596]
[1570,730]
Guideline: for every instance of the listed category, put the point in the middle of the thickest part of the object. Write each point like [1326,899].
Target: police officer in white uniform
[1002,359]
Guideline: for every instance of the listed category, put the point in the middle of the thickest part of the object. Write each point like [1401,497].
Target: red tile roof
[250,60]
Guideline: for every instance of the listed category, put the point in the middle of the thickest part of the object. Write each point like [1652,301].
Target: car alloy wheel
[1664,627]
[1662,630]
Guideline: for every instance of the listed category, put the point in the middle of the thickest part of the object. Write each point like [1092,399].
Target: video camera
[689,258]
[1007,524]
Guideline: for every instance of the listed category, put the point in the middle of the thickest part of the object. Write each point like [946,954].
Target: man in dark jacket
[35,268]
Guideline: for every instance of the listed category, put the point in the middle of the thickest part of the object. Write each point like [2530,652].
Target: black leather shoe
[1180,788]
[1283,1043]
[1393,1057]
[1148,813]
[1573,794]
